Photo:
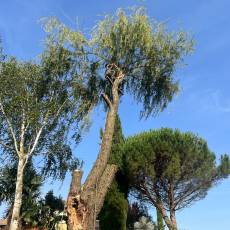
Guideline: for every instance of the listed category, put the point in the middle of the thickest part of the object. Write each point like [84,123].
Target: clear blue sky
[203,105]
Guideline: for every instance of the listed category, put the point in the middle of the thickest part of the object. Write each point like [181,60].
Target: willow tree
[38,103]
[171,170]
[126,53]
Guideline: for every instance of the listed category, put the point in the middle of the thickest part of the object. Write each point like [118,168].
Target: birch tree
[126,53]
[38,104]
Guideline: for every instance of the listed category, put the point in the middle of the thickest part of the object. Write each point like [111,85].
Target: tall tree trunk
[84,203]
[170,224]
[172,204]
[173,219]
[15,219]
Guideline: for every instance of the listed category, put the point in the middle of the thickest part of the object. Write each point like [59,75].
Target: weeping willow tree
[127,53]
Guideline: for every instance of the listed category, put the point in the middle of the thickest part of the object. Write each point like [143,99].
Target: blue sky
[203,105]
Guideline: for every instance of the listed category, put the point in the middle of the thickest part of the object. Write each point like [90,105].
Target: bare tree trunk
[172,204]
[170,222]
[15,219]
[85,203]
[173,219]
[104,185]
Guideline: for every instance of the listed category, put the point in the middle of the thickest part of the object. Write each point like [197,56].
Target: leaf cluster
[44,213]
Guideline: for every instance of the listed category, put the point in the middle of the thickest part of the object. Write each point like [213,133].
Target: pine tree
[170,169]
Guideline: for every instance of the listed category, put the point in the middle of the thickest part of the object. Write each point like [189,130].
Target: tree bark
[105,182]
[74,218]
[172,204]
[84,204]
[15,219]
[170,224]
[173,219]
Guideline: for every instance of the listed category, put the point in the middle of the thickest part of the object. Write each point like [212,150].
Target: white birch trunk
[15,220]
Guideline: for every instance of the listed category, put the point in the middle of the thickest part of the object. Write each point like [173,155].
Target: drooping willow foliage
[142,49]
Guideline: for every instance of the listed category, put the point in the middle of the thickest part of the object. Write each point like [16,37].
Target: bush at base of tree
[114,212]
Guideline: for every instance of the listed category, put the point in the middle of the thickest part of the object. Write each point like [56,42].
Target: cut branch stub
[75,213]
[75,186]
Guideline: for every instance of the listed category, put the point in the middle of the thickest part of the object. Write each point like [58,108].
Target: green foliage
[224,167]
[144,51]
[55,203]
[146,54]
[166,160]
[31,189]
[118,139]
[114,212]
[44,213]
[45,104]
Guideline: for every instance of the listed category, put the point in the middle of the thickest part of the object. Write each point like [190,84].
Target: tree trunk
[15,219]
[74,218]
[173,219]
[172,204]
[170,222]
[84,203]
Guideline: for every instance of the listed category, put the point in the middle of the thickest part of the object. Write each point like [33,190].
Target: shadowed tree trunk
[85,201]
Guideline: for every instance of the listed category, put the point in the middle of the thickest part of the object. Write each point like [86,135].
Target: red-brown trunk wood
[170,222]
[173,219]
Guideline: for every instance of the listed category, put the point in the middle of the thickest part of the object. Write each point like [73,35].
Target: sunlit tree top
[139,47]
